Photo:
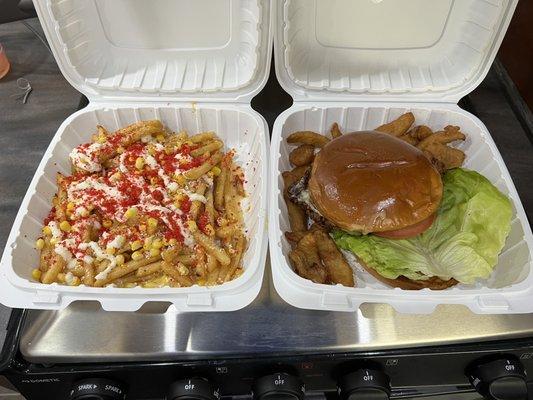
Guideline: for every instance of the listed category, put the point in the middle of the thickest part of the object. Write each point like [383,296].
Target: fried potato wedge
[338,269]
[306,261]
[308,137]
[335,130]
[399,126]
[302,155]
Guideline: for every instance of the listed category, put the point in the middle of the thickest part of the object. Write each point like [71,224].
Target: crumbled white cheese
[84,160]
[117,242]
[69,278]
[54,227]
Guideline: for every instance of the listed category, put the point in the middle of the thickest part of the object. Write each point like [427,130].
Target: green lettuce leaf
[469,232]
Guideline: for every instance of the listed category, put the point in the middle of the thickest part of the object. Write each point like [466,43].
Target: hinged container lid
[387,50]
[160,50]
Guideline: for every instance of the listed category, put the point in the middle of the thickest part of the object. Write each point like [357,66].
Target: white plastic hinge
[493,302]
[199,299]
[44,297]
[335,299]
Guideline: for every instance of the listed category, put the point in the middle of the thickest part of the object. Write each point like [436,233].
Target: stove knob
[502,379]
[97,389]
[280,386]
[192,389]
[364,384]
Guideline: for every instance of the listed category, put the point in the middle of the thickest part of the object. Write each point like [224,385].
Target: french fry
[226,231]
[202,137]
[186,259]
[173,271]
[196,204]
[197,172]
[211,248]
[399,126]
[240,243]
[124,269]
[308,137]
[133,278]
[88,276]
[56,266]
[220,187]
[209,147]
[212,270]
[148,269]
[335,131]
[302,155]
[210,207]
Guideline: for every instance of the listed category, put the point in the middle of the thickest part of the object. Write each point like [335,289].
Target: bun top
[373,182]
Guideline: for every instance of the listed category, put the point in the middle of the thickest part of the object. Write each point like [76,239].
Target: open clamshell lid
[160,50]
[387,50]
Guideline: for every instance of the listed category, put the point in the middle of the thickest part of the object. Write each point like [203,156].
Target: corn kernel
[147,243]
[136,245]
[131,212]
[120,150]
[101,139]
[61,277]
[54,241]
[192,225]
[36,274]
[110,250]
[151,150]
[75,281]
[157,244]
[180,179]
[210,174]
[169,150]
[209,230]
[120,259]
[172,242]
[152,222]
[142,228]
[71,206]
[139,163]
[216,170]
[154,252]
[160,137]
[189,142]
[107,223]
[84,212]
[47,231]
[201,282]
[65,226]
[115,177]
[39,244]
[154,180]
[182,269]
[136,256]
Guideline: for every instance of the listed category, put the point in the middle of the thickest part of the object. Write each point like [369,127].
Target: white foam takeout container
[362,63]
[194,65]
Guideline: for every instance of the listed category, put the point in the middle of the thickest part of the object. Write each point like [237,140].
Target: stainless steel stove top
[85,333]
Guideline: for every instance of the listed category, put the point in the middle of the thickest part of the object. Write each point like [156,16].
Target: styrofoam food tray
[362,63]
[511,281]
[239,129]
[194,65]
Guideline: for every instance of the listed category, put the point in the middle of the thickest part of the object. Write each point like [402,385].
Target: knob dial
[502,379]
[192,389]
[280,386]
[97,389]
[364,384]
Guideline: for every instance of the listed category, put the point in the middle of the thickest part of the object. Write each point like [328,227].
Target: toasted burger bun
[373,182]
[433,283]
